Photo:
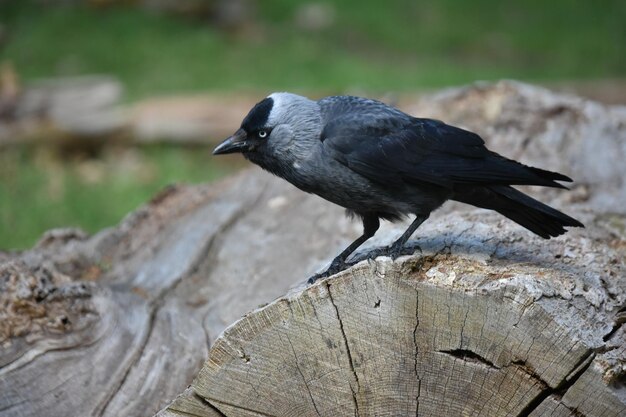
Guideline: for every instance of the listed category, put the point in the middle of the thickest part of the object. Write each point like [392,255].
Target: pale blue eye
[262,134]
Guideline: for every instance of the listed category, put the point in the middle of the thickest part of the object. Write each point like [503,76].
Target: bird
[381,163]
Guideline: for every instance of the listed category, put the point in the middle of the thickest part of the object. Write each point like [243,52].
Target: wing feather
[387,149]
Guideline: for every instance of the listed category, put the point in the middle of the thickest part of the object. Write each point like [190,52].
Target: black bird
[381,163]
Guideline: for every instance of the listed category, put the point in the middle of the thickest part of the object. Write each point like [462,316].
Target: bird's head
[273,124]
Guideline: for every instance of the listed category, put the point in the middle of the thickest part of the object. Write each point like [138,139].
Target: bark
[488,320]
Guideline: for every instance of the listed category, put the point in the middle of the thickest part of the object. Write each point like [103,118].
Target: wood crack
[530,371]
[350,360]
[469,356]
[415,358]
[239,407]
[208,247]
[207,403]
[545,389]
[306,384]
[102,407]
[620,319]
[32,354]
[577,371]
[157,302]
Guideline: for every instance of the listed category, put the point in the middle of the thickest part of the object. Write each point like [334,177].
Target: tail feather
[535,216]
[551,177]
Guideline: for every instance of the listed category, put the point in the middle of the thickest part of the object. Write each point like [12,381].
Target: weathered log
[120,322]
[475,325]
[86,109]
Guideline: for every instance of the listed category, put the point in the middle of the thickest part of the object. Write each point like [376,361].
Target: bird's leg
[397,248]
[370,226]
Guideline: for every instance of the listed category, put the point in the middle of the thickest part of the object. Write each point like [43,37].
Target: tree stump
[488,320]
[475,327]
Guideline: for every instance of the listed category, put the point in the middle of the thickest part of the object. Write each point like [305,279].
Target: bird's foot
[315,277]
[335,267]
[402,250]
[393,251]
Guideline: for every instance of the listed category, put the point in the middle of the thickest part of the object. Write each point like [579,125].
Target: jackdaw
[381,163]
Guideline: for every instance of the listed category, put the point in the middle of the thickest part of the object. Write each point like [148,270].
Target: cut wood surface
[489,320]
[470,327]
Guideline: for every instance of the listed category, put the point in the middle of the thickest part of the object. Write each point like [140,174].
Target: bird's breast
[338,184]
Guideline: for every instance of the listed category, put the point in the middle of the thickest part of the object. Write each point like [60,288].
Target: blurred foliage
[355,45]
[41,188]
[368,45]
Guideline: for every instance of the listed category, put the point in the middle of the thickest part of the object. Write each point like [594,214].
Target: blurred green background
[250,48]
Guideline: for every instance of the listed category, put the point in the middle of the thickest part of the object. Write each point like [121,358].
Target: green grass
[41,188]
[372,46]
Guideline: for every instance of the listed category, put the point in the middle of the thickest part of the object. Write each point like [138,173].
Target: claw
[373,254]
[394,252]
[315,277]
[332,270]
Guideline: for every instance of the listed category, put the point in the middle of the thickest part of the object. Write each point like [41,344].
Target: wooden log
[121,322]
[514,330]
[81,111]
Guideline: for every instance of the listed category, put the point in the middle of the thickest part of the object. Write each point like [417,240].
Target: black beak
[235,143]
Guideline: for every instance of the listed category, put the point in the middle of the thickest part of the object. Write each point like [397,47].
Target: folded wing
[412,150]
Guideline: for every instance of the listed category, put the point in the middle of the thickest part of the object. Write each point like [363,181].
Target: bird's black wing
[387,149]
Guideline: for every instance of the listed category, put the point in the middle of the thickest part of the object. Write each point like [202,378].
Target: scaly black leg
[370,226]
[397,248]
